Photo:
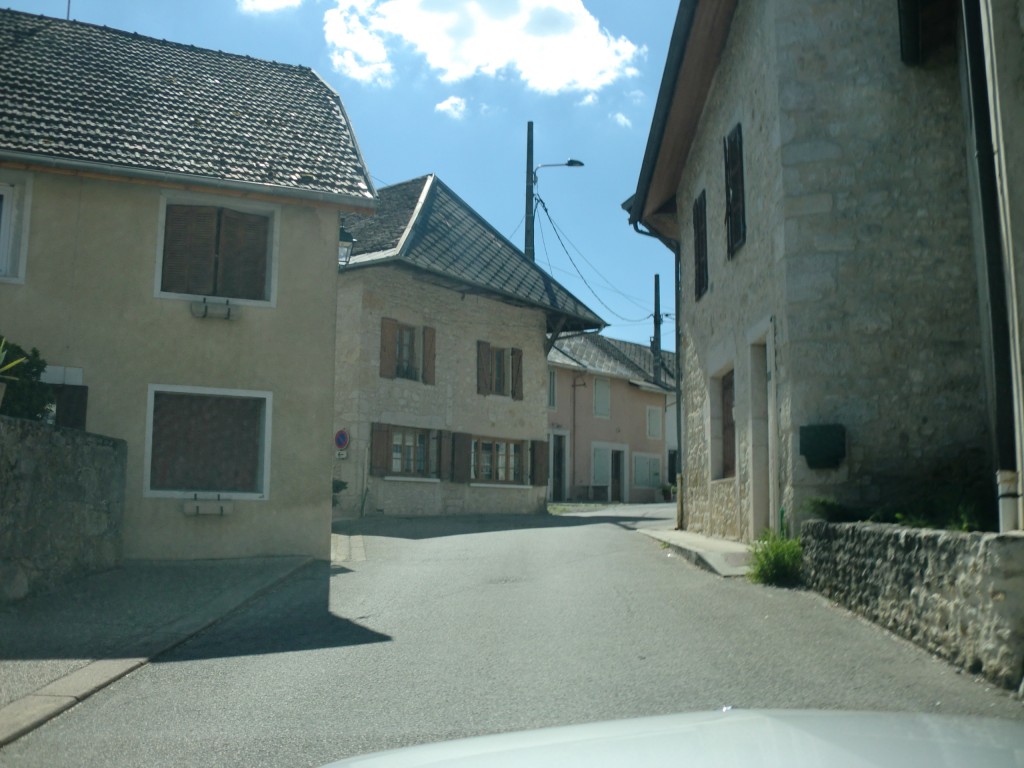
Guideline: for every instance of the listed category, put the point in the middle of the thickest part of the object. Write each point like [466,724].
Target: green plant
[337,486]
[776,560]
[9,366]
[26,397]
[831,511]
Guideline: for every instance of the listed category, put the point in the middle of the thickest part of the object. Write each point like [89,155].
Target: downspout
[674,246]
[984,152]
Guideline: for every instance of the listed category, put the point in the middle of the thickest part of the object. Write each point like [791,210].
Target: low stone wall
[61,504]
[958,595]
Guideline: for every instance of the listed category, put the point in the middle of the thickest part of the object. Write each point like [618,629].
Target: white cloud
[453,106]
[266,6]
[551,45]
[588,101]
[637,96]
[622,120]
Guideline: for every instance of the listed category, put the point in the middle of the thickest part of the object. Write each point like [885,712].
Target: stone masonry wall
[61,504]
[958,595]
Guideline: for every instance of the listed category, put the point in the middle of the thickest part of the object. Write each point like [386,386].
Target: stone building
[816,192]
[443,328]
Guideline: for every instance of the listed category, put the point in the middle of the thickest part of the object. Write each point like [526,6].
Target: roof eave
[698,38]
[334,199]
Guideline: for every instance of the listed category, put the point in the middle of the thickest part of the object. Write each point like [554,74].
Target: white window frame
[270,210]
[552,389]
[647,458]
[268,408]
[16,203]
[607,384]
[658,415]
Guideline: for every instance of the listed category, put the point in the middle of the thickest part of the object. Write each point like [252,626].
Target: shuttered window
[207,443]
[602,398]
[735,204]
[213,251]
[700,245]
[494,460]
[406,351]
[499,371]
[408,451]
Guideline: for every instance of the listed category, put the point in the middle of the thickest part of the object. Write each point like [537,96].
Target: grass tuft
[775,560]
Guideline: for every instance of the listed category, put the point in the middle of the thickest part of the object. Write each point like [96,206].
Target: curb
[727,564]
[33,710]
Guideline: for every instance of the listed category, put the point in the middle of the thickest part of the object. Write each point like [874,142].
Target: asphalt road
[433,629]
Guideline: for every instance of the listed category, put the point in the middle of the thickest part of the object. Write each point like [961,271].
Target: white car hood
[731,737]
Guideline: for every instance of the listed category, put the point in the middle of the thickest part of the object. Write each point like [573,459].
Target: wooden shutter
[700,245]
[517,373]
[735,208]
[444,462]
[462,447]
[242,255]
[728,425]
[206,443]
[539,462]
[429,343]
[388,347]
[483,368]
[380,449]
[190,249]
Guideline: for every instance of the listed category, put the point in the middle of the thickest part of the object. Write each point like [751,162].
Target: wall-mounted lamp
[345,243]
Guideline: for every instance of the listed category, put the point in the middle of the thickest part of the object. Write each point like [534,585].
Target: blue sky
[447,87]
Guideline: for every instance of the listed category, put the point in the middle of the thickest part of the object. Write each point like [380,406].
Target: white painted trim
[405,479]
[271,210]
[268,409]
[14,227]
[597,380]
[626,459]
[661,424]
[499,485]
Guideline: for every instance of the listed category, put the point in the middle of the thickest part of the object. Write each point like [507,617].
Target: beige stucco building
[441,382]
[179,273]
[608,433]
[814,184]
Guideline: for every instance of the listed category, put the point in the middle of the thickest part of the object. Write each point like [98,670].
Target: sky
[448,87]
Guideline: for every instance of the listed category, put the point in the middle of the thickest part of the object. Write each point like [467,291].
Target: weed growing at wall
[776,560]
[25,397]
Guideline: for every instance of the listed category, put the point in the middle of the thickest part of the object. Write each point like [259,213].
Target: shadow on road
[462,525]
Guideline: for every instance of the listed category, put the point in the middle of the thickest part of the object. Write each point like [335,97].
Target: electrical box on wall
[823,445]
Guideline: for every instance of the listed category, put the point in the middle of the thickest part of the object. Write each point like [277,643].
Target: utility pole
[656,341]
[528,223]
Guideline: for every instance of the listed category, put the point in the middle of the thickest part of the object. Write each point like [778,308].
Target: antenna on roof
[69,10]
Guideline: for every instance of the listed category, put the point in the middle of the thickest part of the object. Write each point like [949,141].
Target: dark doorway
[616,490]
[558,467]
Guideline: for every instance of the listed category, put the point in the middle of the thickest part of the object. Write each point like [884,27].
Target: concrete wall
[61,504]
[958,595]
[853,300]
[625,429]
[89,301]
[365,296]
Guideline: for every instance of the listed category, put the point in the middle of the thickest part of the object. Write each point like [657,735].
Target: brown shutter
[462,447]
[517,374]
[190,247]
[388,347]
[444,463]
[539,462]
[483,368]
[380,449]
[242,259]
[429,343]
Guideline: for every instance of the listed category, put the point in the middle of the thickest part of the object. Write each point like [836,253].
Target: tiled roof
[76,93]
[612,357]
[424,225]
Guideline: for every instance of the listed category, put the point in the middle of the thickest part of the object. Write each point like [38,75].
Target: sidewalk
[721,556]
[58,648]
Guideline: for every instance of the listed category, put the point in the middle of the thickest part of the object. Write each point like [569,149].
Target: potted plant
[5,367]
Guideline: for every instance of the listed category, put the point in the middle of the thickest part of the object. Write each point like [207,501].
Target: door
[558,467]
[616,488]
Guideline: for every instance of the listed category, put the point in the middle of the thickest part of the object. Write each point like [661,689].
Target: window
[498,461]
[208,441]
[408,451]
[646,470]
[406,351]
[214,251]
[735,207]
[723,426]
[602,398]
[14,204]
[700,245]
[552,381]
[655,417]
[499,371]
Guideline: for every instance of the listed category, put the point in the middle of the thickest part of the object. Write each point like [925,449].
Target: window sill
[204,496]
[404,479]
[499,485]
[15,279]
[216,300]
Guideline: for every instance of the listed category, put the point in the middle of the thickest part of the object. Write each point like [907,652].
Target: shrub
[26,397]
[775,560]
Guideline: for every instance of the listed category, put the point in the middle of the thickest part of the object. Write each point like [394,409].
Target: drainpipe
[1002,422]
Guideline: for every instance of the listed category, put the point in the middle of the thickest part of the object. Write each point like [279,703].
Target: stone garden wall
[958,595]
[61,504]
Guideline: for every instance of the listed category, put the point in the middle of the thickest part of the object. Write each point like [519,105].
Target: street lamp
[531,181]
